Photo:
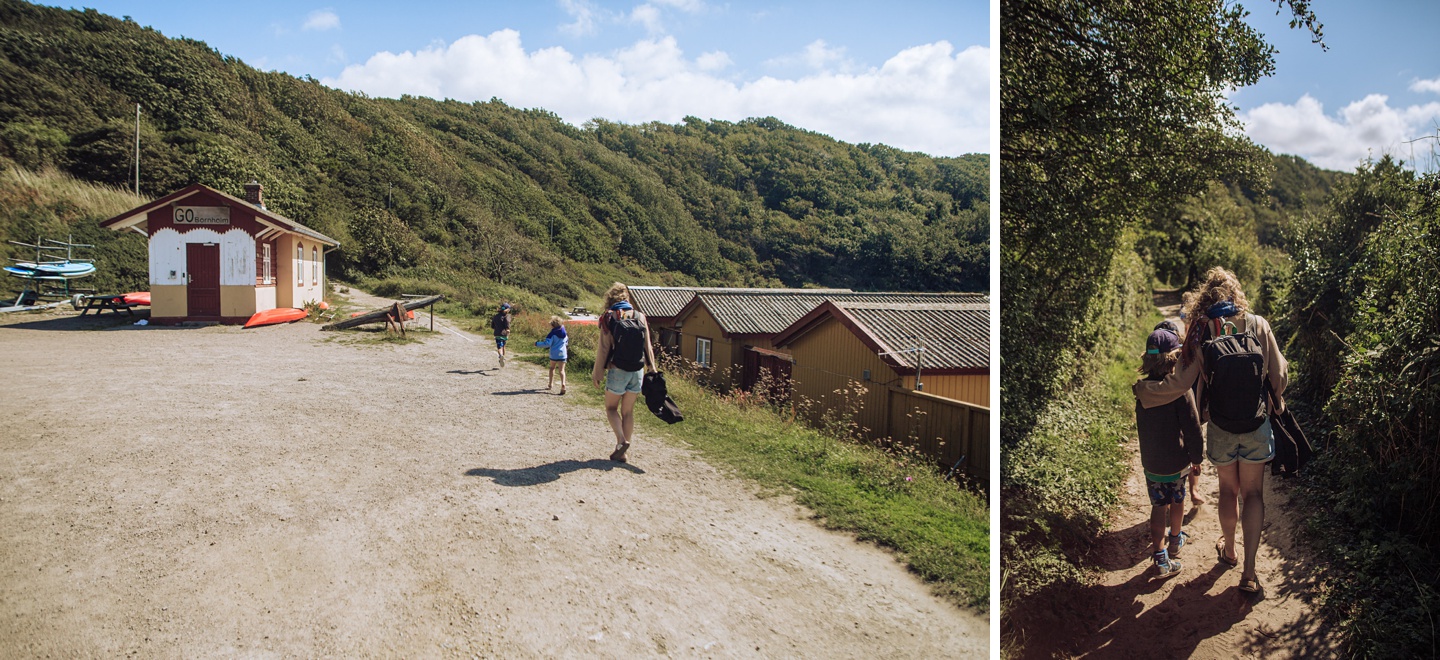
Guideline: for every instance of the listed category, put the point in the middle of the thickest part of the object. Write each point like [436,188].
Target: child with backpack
[621,359]
[1232,359]
[1170,445]
[500,325]
[558,342]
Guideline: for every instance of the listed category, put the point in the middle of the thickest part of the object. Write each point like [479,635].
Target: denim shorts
[623,382]
[1223,447]
[500,341]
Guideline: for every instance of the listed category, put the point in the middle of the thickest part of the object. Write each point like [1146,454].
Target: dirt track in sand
[281,491]
[1199,613]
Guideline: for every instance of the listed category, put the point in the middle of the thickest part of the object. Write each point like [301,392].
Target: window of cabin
[315,265]
[266,263]
[702,351]
[299,264]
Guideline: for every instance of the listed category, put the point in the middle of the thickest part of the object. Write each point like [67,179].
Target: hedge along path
[209,491]
[1201,613]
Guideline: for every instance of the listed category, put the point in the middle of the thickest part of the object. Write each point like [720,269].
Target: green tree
[1110,110]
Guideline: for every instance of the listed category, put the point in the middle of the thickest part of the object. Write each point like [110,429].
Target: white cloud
[649,16]
[926,98]
[714,61]
[1368,128]
[321,20]
[817,56]
[691,6]
[584,15]
[1426,86]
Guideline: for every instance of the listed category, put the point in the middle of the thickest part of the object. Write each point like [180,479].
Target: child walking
[558,343]
[500,324]
[1170,448]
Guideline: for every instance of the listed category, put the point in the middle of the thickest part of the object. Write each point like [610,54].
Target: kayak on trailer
[277,315]
[138,298]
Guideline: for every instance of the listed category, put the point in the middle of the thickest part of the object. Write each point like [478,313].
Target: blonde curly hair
[1219,285]
[616,293]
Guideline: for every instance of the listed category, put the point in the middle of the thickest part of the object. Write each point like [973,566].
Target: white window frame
[703,351]
[300,264]
[265,264]
[315,265]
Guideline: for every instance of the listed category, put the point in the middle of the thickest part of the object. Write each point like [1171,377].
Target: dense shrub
[1365,312]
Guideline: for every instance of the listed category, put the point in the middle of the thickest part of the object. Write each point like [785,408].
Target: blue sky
[915,75]
[1376,87]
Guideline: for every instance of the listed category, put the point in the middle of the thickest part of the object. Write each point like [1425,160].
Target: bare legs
[556,364]
[1242,480]
[620,410]
[1158,515]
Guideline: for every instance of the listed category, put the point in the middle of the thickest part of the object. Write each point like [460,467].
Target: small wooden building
[731,333]
[662,305]
[862,362]
[216,257]
[879,343]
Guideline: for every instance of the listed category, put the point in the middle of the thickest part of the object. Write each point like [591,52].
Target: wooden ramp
[378,316]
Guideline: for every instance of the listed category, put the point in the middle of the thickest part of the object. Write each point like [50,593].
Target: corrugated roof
[769,312]
[954,336]
[667,301]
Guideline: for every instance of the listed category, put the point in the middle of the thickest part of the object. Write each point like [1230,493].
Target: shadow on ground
[477,372]
[544,474]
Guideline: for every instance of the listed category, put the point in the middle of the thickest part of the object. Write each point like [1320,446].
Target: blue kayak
[64,270]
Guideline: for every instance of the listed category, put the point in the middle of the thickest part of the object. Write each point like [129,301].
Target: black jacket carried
[657,398]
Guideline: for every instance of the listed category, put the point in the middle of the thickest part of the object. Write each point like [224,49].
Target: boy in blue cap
[1171,447]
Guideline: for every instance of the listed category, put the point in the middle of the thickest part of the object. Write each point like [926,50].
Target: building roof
[664,302]
[137,217]
[956,337]
[770,312]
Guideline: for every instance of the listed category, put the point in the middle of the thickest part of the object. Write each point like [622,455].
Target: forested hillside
[483,197]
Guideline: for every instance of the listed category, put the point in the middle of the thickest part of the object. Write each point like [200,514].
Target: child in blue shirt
[558,342]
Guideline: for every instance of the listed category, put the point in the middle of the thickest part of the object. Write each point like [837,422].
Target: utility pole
[137,149]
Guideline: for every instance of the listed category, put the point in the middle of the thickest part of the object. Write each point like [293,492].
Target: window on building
[315,265]
[299,264]
[265,265]
[702,351]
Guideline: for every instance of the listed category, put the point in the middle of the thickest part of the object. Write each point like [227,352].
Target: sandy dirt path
[1200,612]
[282,491]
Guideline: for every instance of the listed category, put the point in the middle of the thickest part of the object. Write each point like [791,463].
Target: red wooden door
[202,263]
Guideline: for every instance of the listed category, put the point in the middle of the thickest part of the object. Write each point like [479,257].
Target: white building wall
[167,256]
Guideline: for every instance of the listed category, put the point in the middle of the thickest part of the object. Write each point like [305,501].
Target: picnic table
[113,302]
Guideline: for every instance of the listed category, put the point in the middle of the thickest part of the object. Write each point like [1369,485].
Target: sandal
[619,454]
[1250,586]
[1220,554]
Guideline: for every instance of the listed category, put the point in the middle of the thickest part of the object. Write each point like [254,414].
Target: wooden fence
[943,429]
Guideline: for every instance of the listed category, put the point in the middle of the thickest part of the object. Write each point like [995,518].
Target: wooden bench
[114,303]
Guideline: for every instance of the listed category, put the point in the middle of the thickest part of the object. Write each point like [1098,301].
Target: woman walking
[1230,356]
[621,360]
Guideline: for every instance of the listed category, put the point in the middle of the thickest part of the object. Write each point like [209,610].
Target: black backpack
[1235,379]
[627,350]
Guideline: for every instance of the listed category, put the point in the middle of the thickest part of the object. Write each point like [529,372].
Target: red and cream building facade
[216,257]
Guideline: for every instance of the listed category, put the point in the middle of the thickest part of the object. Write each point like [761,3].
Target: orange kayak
[277,315]
[138,298]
